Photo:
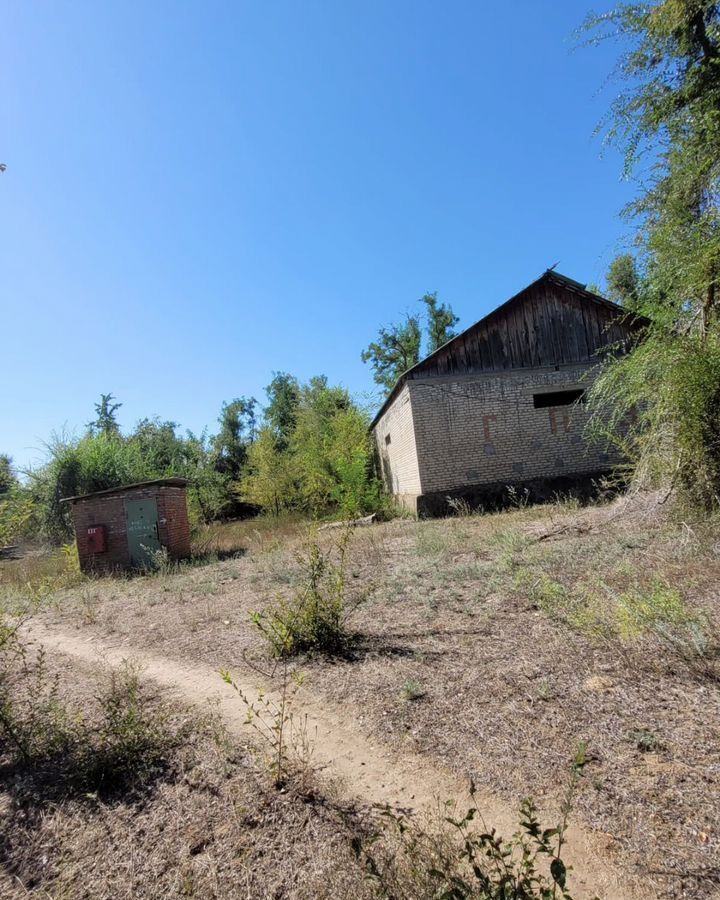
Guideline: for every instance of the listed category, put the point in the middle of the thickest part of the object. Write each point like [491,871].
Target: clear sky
[200,193]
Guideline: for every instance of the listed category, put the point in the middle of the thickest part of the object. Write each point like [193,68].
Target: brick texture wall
[485,429]
[448,433]
[109,510]
[175,530]
[395,438]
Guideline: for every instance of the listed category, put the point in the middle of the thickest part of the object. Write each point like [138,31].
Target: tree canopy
[400,347]
[105,421]
[662,400]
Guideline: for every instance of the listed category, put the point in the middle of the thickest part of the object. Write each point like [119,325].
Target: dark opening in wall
[387,438]
[558,398]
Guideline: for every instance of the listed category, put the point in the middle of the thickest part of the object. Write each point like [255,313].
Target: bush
[314,619]
[660,405]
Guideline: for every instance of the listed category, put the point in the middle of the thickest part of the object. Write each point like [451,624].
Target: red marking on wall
[486,427]
[564,420]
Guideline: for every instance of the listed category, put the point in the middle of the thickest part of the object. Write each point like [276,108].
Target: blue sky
[200,193]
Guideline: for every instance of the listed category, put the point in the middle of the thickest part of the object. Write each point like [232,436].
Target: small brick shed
[122,527]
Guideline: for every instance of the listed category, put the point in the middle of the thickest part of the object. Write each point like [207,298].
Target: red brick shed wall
[109,510]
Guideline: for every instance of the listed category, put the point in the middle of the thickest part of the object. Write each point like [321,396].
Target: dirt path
[362,768]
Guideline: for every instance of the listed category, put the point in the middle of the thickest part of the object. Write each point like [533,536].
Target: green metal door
[142,532]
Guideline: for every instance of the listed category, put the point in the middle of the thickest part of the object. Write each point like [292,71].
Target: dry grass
[492,645]
[212,826]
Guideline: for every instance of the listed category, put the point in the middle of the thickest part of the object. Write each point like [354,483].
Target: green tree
[8,478]
[269,481]
[237,432]
[441,322]
[623,281]
[105,421]
[283,395]
[325,461]
[669,117]
[160,450]
[396,350]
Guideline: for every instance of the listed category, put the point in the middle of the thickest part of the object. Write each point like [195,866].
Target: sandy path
[362,768]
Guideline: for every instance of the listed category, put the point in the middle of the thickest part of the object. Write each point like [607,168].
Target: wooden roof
[553,321]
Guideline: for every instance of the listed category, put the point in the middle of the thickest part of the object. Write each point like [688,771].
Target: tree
[237,432]
[441,321]
[399,347]
[325,461]
[670,115]
[396,350]
[623,281]
[106,420]
[669,118]
[283,395]
[8,479]
[269,481]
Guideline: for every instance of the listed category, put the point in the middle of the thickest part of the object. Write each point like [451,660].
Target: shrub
[314,618]
[131,740]
[120,742]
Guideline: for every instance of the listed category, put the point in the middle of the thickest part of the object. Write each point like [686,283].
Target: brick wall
[485,429]
[109,510]
[395,438]
[175,531]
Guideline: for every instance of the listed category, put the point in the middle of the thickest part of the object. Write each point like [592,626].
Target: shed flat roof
[159,482]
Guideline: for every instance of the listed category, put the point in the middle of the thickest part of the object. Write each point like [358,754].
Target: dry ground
[490,646]
[211,825]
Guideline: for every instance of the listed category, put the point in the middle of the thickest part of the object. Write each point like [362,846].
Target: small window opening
[558,398]
[387,438]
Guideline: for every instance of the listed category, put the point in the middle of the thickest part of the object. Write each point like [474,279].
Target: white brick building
[502,403]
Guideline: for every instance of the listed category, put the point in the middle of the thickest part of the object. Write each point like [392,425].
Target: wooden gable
[554,321]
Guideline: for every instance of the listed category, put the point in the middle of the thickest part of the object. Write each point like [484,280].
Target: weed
[88,604]
[460,507]
[644,739]
[512,544]
[642,611]
[160,562]
[314,618]
[120,743]
[275,722]
[131,739]
[432,540]
[461,862]
[33,721]
[517,499]
[657,610]
[412,690]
